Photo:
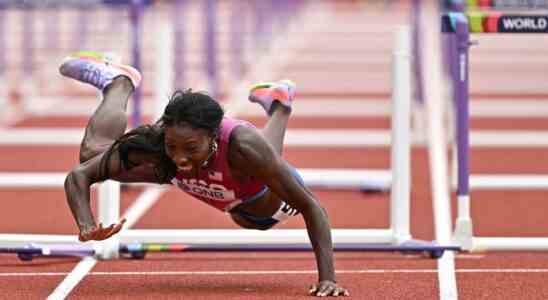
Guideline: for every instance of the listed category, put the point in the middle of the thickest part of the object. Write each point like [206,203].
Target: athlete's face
[188,147]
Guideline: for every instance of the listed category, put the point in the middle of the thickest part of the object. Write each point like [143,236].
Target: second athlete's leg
[109,121]
[117,82]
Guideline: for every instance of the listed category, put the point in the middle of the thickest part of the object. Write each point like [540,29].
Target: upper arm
[252,154]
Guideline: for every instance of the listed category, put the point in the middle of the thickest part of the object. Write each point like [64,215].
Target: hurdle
[140,250]
[396,237]
[459,26]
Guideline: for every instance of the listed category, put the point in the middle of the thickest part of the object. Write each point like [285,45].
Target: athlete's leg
[276,99]
[109,121]
[117,82]
[274,129]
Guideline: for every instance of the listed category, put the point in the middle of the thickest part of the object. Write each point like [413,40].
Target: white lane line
[273,272]
[437,149]
[73,278]
[469,256]
[446,276]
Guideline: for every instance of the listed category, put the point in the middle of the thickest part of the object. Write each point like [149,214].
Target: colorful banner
[497,22]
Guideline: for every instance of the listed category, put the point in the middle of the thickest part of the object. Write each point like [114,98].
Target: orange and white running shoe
[97,69]
[266,93]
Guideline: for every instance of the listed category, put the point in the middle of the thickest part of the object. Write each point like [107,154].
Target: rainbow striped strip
[155,248]
[505,4]
[497,22]
[479,3]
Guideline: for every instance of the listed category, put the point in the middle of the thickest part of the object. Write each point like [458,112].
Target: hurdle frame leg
[109,213]
[401,137]
[460,43]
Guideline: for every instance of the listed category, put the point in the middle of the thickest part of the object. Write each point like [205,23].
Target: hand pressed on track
[100,233]
[327,288]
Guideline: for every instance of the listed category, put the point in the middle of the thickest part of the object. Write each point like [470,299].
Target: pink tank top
[214,184]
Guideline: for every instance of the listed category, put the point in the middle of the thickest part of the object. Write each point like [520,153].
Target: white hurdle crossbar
[398,179]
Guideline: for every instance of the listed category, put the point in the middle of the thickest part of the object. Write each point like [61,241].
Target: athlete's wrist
[86,226]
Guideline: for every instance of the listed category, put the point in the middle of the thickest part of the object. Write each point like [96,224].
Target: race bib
[212,191]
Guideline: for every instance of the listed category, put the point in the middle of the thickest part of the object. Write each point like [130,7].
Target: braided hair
[187,108]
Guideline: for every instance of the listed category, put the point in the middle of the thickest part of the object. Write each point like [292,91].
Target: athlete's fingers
[112,230]
[115,229]
[102,233]
[119,226]
[106,233]
[325,290]
[340,291]
[98,230]
[313,289]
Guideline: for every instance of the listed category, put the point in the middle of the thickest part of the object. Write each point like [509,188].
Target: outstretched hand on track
[100,233]
[327,288]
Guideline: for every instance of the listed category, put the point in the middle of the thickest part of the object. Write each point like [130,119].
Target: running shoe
[266,93]
[97,69]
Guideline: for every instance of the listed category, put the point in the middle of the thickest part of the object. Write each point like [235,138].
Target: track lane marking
[272,272]
[82,269]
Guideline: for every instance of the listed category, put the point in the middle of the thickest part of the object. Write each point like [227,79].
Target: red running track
[520,275]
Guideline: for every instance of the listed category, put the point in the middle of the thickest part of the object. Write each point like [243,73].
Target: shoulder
[243,134]
[245,139]
[229,124]
[248,148]
[241,140]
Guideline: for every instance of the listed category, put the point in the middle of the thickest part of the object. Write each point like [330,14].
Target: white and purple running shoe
[97,69]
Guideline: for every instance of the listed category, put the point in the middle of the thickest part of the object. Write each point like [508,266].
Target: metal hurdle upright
[457,25]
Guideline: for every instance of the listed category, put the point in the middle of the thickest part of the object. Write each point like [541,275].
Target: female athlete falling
[224,162]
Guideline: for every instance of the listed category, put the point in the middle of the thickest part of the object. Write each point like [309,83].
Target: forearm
[319,232]
[77,188]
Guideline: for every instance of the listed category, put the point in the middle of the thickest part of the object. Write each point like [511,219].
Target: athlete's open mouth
[184,168]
